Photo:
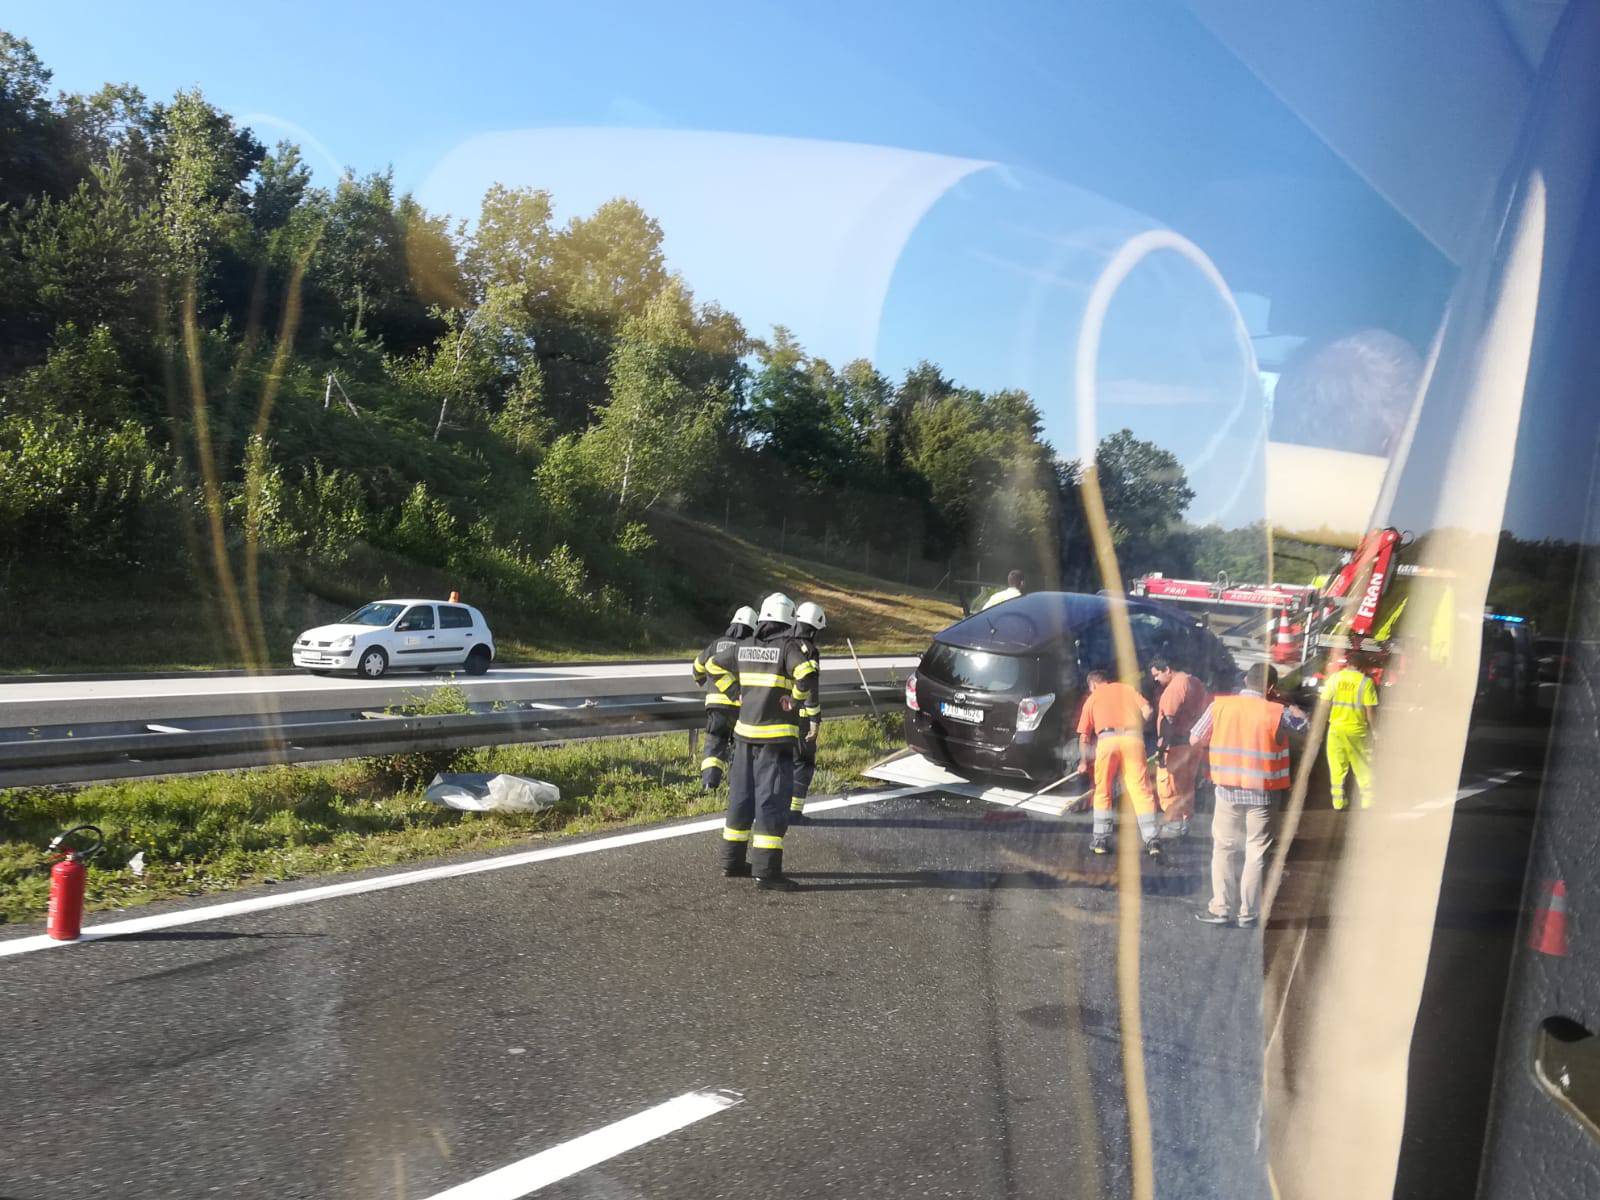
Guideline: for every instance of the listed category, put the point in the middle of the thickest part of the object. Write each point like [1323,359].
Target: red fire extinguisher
[67,879]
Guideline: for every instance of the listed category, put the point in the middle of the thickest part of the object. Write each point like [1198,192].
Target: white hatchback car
[399,633]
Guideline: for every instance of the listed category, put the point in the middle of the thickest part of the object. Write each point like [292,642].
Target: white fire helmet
[812,615]
[778,608]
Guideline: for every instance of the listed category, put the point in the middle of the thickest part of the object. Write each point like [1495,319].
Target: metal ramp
[914,770]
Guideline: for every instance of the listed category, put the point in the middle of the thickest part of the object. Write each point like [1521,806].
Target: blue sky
[900,181]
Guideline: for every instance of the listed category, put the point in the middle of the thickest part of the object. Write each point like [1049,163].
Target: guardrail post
[694,742]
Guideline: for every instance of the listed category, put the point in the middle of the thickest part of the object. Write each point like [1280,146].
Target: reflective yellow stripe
[725,683]
[719,700]
[707,763]
[767,841]
[698,667]
[735,835]
[797,806]
[811,712]
[765,731]
[713,667]
[806,668]
[757,679]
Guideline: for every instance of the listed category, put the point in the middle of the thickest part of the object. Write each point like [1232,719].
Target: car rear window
[454,618]
[976,670]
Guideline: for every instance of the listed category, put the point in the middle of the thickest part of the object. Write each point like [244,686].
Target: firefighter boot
[735,846]
[772,878]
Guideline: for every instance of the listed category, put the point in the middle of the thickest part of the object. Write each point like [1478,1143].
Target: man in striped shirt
[1247,737]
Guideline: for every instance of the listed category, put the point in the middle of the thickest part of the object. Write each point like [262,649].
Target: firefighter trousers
[805,766]
[1350,752]
[718,745]
[760,783]
[1122,757]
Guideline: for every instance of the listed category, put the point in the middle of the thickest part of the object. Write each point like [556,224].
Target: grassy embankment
[210,833]
[75,618]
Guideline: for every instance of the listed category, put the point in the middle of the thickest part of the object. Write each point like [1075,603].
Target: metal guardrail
[126,756]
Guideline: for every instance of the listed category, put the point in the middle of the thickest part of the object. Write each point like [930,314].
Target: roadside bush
[67,487]
[330,510]
[425,530]
[416,768]
[84,375]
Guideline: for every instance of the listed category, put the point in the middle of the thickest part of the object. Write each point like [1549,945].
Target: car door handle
[1566,1062]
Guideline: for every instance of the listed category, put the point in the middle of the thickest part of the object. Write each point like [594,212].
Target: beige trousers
[1239,829]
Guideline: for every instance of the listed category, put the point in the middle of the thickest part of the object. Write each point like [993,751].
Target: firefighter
[1352,704]
[1111,734]
[1183,699]
[1248,740]
[767,668]
[809,622]
[720,706]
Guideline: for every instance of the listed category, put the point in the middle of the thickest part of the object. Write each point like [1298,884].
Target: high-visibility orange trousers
[1175,780]
[1120,756]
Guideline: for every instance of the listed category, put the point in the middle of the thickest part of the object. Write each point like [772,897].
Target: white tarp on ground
[492,793]
[915,770]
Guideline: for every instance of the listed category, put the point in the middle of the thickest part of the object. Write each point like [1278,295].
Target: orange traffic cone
[1283,644]
[1549,933]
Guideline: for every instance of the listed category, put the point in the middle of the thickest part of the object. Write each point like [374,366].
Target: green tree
[653,430]
[798,412]
[84,376]
[512,241]
[282,181]
[521,421]
[471,366]
[94,258]
[33,145]
[608,267]
[205,161]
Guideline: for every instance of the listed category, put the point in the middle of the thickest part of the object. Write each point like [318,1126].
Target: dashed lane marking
[1466,792]
[527,1176]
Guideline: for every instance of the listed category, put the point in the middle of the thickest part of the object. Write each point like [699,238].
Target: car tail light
[1031,710]
[911,693]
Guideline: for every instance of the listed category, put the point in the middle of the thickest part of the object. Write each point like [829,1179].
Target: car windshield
[1182,413]
[373,614]
[976,670]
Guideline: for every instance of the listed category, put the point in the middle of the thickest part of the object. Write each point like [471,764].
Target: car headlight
[344,643]
[1031,711]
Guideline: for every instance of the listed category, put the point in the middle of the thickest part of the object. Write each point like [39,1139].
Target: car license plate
[972,716]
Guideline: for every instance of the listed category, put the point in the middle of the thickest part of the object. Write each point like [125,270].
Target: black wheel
[373,663]
[477,660]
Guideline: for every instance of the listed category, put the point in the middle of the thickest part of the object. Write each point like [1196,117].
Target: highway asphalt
[934,1014]
[54,702]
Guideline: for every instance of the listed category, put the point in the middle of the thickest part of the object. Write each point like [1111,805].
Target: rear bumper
[1024,757]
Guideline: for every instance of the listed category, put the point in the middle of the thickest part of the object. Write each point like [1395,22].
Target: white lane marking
[541,1170]
[381,883]
[1463,793]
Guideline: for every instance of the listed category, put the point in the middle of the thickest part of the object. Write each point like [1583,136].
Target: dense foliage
[210,365]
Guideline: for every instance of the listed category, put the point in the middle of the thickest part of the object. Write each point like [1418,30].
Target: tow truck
[1313,632]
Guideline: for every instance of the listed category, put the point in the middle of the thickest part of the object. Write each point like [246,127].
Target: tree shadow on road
[997,824]
[203,935]
[866,881]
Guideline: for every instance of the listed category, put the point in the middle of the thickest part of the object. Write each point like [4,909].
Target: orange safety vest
[1246,750]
